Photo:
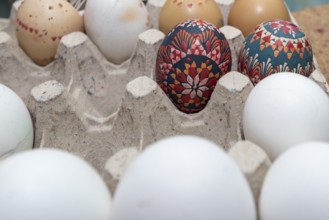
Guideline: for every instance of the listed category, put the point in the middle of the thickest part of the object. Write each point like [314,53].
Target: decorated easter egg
[114,26]
[51,184]
[247,14]
[16,129]
[275,46]
[180,178]
[40,25]
[177,11]
[192,57]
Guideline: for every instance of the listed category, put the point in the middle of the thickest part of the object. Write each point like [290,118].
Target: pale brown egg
[247,14]
[40,25]
[177,11]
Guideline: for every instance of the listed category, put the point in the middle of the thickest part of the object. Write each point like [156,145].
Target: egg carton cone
[3,23]
[107,114]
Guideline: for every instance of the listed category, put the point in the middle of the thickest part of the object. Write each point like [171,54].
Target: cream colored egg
[40,25]
[177,11]
[247,14]
[114,26]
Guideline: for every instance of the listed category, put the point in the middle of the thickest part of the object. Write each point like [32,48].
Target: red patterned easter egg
[273,47]
[191,59]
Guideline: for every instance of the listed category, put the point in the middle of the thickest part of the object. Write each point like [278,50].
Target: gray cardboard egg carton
[107,114]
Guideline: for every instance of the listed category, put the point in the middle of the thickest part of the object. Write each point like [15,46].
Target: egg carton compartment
[68,114]
[108,113]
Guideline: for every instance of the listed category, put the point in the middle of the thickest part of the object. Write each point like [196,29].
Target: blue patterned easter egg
[273,47]
[191,59]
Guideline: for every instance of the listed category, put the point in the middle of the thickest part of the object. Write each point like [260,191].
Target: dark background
[5,8]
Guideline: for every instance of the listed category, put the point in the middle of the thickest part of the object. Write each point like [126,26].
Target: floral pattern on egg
[275,46]
[191,59]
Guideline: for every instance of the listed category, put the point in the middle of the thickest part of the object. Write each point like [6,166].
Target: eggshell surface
[114,26]
[177,11]
[16,130]
[183,177]
[247,14]
[275,46]
[40,25]
[297,185]
[283,110]
[51,184]
[191,59]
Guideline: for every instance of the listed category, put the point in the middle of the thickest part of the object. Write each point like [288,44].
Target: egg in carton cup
[107,113]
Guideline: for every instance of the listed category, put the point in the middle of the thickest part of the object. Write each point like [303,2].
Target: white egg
[51,184]
[297,185]
[114,26]
[285,109]
[183,177]
[16,130]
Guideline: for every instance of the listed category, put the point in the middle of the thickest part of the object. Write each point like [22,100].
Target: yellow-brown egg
[247,14]
[40,25]
[177,11]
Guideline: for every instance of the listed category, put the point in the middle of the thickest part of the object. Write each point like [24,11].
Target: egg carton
[108,113]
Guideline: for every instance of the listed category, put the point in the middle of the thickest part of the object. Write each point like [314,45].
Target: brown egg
[247,14]
[177,11]
[40,25]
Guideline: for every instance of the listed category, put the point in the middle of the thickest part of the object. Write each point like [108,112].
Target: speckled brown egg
[40,25]
[177,11]
[247,14]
